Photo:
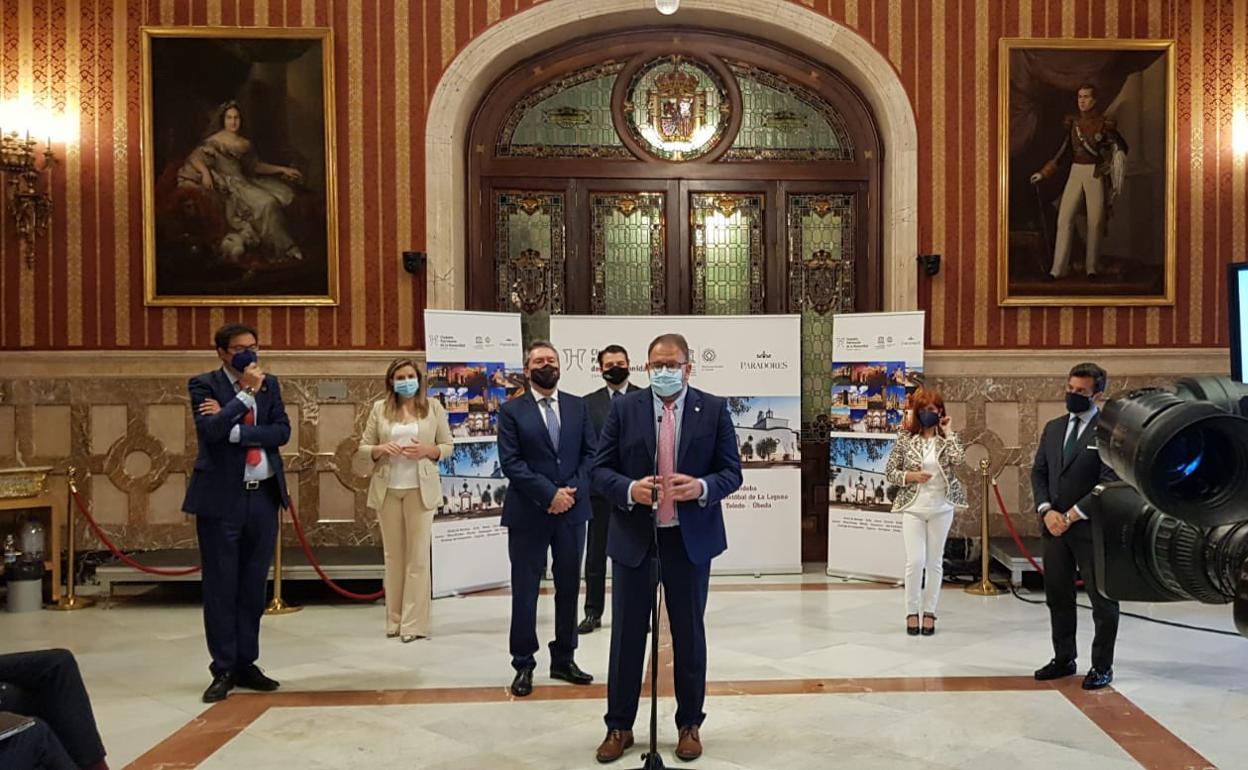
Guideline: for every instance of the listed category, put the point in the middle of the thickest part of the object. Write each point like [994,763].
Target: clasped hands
[680,486]
[1056,523]
[416,450]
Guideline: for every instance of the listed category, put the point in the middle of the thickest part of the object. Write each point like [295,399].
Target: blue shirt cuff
[247,399]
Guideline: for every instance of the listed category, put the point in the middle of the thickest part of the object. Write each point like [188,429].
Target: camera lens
[1184,456]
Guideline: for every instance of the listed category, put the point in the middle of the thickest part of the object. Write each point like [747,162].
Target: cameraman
[1067,468]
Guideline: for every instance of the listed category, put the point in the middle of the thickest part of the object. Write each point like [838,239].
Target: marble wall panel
[132,458]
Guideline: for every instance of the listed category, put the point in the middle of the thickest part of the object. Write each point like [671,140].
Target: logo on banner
[763,360]
[708,355]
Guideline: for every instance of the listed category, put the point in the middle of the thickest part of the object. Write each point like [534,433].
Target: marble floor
[804,672]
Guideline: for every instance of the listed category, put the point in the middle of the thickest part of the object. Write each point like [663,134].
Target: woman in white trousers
[405,437]
[923,465]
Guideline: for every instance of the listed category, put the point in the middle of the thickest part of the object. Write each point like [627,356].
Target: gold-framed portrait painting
[1087,172]
[238,166]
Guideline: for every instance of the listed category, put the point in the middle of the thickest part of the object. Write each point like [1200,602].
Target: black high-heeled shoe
[912,630]
[927,630]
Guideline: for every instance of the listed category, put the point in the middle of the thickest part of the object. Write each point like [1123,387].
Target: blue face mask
[407,388]
[666,382]
[243,359]
[929,419]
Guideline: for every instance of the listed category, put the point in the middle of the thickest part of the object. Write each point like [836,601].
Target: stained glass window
[821,283]
[677,108]
[780,120]
[628,253]
[728,253]
[529,257]
[568,118]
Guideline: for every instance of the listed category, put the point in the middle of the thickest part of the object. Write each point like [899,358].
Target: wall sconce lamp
[30,207]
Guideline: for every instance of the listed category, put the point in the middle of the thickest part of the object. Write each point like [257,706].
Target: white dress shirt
[261,470]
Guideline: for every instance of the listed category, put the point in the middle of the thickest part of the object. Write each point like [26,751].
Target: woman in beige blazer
[406,435]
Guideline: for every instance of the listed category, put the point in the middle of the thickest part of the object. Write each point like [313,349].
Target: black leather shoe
[1056,669]
[912,630]
[522,685]
[1098,678]
[252,678]
[588,625]
[570,672]
[220,687]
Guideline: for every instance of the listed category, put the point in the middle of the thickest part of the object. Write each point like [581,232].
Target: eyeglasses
[670,368]
[241,348]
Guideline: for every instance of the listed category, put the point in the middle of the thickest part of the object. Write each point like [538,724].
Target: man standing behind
[1067,468]
[545,445]
[613,363]
[236,489]
[692,436]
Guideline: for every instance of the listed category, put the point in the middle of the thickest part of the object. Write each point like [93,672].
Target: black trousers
[236,552]
[685,587]
[596,557]
[35,748]
[51,690]
[527,549]
[1062,557]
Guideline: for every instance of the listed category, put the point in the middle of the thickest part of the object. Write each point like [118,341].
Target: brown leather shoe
[690,746]
[614,745]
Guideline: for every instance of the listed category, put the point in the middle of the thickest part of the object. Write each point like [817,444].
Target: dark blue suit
[535,471]
[707,450]
[237,527]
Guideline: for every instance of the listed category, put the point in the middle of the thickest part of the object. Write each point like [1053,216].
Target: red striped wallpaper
[86,291]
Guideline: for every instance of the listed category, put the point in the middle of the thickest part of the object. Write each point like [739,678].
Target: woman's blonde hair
[420,402]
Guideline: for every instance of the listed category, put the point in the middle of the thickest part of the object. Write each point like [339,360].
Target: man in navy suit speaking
[236,489]
[690,436]
[545,447]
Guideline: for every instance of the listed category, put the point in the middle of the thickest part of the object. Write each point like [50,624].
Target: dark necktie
[1072,441]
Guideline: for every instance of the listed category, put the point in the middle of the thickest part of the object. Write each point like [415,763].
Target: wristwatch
[249,390]
[1071,517]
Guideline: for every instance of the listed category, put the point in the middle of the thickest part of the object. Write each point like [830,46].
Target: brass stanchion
[277,606]
[71,601]
[984,587]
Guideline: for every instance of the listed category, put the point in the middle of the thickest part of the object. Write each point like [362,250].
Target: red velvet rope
[103,538]
[1018,541]
[307,550]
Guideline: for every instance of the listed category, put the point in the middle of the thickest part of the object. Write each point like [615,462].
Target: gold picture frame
[238,157]
[1118,156]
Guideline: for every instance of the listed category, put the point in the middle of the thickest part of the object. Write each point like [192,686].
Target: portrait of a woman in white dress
[239,160]
[252,193]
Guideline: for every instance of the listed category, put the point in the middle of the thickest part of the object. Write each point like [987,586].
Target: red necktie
[253,452]
[667,460]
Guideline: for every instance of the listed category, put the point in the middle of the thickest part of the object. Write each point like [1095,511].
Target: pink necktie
[667,460]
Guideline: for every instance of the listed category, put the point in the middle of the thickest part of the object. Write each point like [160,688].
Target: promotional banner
[473,365]
[753,361]
[878,361]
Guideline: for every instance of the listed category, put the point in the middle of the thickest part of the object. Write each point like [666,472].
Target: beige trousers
[1081,186]
[406,539]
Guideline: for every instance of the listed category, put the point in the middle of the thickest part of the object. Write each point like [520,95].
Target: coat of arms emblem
[677,106]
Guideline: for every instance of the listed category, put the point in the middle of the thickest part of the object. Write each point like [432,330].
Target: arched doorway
[678,171]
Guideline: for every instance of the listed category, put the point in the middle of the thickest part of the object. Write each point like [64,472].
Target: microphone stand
[652,760]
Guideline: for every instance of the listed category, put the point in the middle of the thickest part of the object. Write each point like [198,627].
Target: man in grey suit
[613,363]
[1068,467]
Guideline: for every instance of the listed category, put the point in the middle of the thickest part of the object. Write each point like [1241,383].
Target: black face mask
[615,375]
[546,377]
[1077,403]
